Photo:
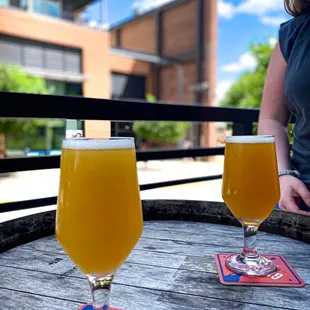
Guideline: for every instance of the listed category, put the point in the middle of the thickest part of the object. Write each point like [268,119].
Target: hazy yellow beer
[99,216]
[250,180]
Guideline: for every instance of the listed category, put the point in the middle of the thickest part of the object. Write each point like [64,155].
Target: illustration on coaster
[90,307]
[284,276]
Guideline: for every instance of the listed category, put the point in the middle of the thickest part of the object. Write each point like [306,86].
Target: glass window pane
[39,6]
[23,4]
[4,2]
[53,8]
[74,89]
[57,87]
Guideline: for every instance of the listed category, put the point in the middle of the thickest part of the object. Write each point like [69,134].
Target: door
[126,87]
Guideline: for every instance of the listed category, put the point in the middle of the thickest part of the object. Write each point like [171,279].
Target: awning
[154,59]
[151,58]
[76,4]
[57,76]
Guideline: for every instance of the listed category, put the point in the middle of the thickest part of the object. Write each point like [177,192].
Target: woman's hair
[296,7]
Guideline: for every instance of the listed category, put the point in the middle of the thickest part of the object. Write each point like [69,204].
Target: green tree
[160,131]
[247,91]
[14,79]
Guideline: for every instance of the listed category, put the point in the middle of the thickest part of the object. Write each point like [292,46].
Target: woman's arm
[273,120]
[274,114]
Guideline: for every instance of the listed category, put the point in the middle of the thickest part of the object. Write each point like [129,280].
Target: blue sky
[240,22]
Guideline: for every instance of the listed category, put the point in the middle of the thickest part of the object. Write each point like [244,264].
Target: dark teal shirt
[294,40]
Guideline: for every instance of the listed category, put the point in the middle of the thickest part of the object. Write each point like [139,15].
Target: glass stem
[250,237]
[100,288]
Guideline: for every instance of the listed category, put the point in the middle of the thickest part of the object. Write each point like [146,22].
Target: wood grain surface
[172,267]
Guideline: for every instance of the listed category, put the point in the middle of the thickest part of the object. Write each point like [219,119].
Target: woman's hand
[292,191]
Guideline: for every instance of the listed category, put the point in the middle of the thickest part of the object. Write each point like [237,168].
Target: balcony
[52,8]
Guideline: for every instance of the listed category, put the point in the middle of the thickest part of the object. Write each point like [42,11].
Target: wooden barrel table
[172,266]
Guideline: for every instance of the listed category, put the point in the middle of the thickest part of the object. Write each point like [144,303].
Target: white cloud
[262,8]
[221,89]
[245,62]
[259,7]
[273,20]
[273,41]
[142,6]
[225,9]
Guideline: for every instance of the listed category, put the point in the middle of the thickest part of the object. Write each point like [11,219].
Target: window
[50,7]
[38,6]
[4,2]
[39,55]
[57,87]
[65,88]
[74,89]
[53,9]
[23,4]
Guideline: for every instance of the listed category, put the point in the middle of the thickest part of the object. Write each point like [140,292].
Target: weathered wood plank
[10,299]
[189,227]
[198,283]
[71,287]
[210,246]
[25,257]
[284,223]
[167,234]
[206,264]
[210,303]
[200,235]
[46,284]
[200,230]
[59,263]
[165,246]
[124,297]
[26,229]
[202,249]
[172,267]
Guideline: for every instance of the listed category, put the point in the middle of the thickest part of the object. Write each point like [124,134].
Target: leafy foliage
[160,131]
[14,79]
[247,91]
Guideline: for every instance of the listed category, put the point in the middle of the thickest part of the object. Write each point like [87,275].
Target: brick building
[169,52]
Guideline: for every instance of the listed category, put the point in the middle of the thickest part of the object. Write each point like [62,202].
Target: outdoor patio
[185,221]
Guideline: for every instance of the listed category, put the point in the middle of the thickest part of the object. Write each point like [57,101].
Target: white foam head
[250,139]
[98,144]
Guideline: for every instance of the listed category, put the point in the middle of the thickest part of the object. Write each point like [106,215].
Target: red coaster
[285,276]
[90,307]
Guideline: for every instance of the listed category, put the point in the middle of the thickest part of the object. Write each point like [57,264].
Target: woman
[286,93]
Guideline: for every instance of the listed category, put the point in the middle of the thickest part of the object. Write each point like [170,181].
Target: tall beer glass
[251,191]
[99,215]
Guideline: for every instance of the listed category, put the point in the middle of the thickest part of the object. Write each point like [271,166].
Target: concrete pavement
[44,183]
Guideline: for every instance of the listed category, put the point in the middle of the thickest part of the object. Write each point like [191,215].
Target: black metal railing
[23,106]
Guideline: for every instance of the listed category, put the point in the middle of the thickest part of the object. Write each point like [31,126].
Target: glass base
[91,307]
[252,266]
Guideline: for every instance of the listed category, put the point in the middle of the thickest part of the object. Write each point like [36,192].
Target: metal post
[197,91]
[104,12]
[180,70]
[30,5]
[209,137]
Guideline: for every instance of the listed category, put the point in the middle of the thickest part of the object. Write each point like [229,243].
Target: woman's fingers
[288,203]
[302,191]
[292,191]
